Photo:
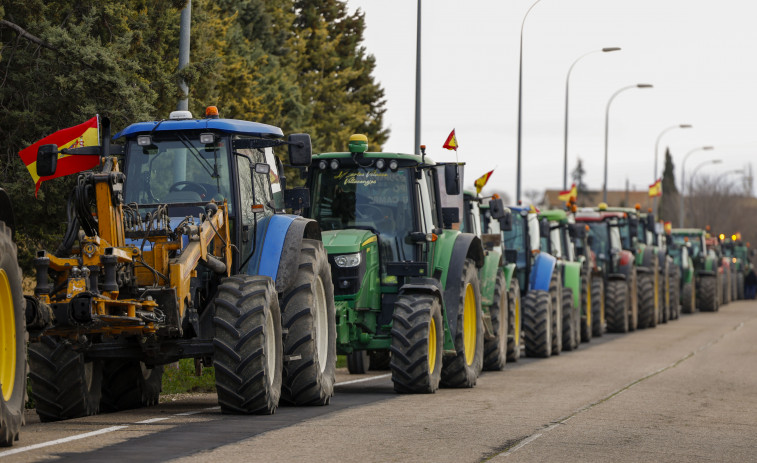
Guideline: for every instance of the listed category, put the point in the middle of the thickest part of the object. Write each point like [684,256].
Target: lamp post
[607,130]
[657,149]
[520,102]
[418,83]
[683,181]
[567,91]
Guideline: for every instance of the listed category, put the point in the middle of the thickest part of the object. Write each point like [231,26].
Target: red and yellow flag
[480,182]
[655,189]
[568,195]
[85,134]
[668,227]
[451,143]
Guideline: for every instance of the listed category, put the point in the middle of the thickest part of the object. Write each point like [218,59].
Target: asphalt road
[685,391]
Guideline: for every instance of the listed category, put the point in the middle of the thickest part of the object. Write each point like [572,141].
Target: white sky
[701,57]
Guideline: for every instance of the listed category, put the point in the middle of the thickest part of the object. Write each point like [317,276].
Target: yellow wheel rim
[516,331]
[469,324]
[7,338]
[588,307]
[431,346]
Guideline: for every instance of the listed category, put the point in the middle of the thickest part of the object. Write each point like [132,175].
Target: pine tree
[669,206]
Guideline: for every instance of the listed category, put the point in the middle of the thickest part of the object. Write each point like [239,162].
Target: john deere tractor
[487,223]
[535,275]
[185,253]
[12,331]
[738,252]
[708,289]
[684,265]
[404,282]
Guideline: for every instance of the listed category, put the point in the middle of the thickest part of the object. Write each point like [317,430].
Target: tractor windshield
[600,239]
[696,241]
[177,168]
[516,238]
[370,199]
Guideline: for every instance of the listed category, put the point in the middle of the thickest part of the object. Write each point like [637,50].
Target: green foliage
[669,205]
[182,379]
[299,65]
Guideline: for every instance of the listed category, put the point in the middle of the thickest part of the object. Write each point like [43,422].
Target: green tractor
[654,238]
[736,250]
[573,280]
[405,284]
[706,269]
[487,222]
[685,273]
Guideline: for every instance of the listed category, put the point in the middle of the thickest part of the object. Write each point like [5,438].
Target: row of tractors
[179,246]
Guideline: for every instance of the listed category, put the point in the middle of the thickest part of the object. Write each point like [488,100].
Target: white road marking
[195,412]
[152,420]
[362,380]
[62,441]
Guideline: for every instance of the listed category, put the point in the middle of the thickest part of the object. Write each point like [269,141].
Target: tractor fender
[617,277]
[572,280]
[541,272]
[6,212]
[706,273]
[626,263]
[643,270]
[278,247]
[509,270]
[423,285]
[488,276]
[467,246]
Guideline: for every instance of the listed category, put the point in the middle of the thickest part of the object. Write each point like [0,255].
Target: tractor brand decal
[359,178]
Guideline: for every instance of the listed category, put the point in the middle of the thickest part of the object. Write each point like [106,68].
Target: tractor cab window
[177,168]
[600,236]
[697,244]
[517,238]
[625,234]
[472,218]
[369,199]
[425,188]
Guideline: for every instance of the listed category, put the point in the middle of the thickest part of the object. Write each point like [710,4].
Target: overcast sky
[701,57]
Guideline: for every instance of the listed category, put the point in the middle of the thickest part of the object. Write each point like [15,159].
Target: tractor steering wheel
[190,186]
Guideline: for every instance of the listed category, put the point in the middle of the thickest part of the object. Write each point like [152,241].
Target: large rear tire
[248,345]
[740,286]
[675,293]
[514,321]
[309,317]
[495,350]
[617,306]
[537,323]
[598,325]
[130,384]
[570,321]
[586,315]
[63,385]
[12,341]
[708,293]
[417,344]
[688,298]
[647,301]
[463,369]
[555,292]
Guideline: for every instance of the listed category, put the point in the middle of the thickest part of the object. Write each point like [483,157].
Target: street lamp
[418,82]
[657,149]
[607,125]
[683,180]
[520,103]
[567,90]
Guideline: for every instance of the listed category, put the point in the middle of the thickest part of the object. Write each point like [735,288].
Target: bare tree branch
[22,33]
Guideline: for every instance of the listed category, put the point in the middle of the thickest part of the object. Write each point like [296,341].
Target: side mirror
[262,168]
[450,215]
[300,149]
[544,228]
[47,160]
[499,212]
[452,179]
[506,222]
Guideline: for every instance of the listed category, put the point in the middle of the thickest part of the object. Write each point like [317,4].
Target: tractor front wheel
[586,315]
[708,293]
[570,319]
[417,344]
[537,323]
[309,317]
[597,306]
[495,350]
[12,341]
[617,306]
[514,321]
[555,292]
[247,345]
[647,300]
[688,298]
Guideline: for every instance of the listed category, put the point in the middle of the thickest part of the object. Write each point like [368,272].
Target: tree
[668,209]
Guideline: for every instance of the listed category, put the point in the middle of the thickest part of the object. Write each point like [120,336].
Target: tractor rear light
[347,260]
[144,140]
[207,138]
[334,164]
[258,208]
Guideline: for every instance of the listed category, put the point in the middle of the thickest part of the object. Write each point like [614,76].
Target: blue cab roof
[221,125]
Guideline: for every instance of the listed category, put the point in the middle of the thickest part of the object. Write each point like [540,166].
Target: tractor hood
[345,241]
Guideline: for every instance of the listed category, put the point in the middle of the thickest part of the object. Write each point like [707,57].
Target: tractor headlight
[334,164]
[347,260]
[393,165]
[380,164]
[322,165]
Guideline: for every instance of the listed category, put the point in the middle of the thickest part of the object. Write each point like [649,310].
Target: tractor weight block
[407,269]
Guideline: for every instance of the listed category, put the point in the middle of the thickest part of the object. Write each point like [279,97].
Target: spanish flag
[655,189]
[480,182]
[568,195]
[85,134]
[451,143]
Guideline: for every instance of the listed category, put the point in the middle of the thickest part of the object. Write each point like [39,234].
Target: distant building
[620,198]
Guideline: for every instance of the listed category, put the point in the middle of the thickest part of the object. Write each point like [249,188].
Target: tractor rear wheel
[495,350]
[130,384]
[647,300]
[63,385]
[570,320]
[358,362]
[597,306]
[688,298]
[12,341]
[463,369]
[537,323]
[555,291]
[617,306]
[675,294]
[586,315]
[309,317]
[740,286]
[514,321]
[726,291]
[247,345]
[417,344]
[708,293]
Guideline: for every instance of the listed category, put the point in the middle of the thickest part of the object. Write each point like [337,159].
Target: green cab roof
[554,215]
[687,231]
[399,156]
